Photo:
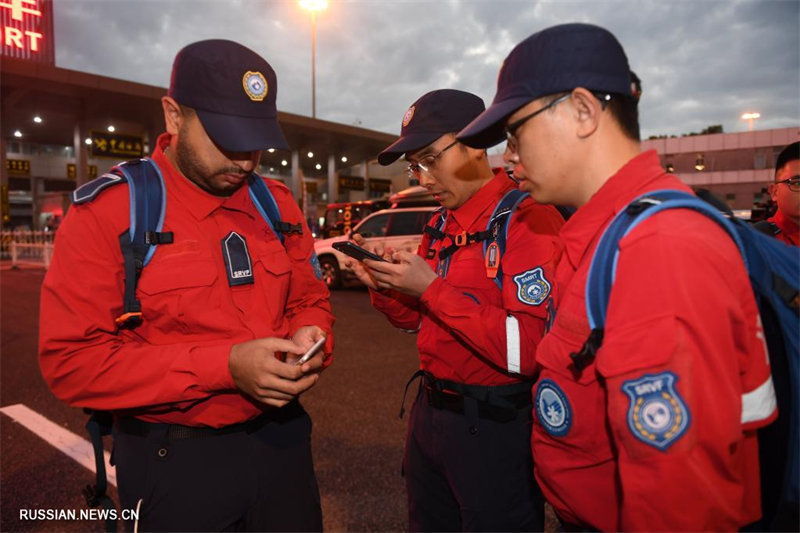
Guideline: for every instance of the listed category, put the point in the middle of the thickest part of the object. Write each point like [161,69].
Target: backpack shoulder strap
[148,206]
[767,228]
[602,269]
[497,226]
[268,208]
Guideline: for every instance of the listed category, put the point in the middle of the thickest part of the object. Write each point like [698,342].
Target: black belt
[501,403]
[135,426]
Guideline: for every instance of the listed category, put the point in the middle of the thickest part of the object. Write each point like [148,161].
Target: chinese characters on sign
[351,182]
[18,167]
[118,146]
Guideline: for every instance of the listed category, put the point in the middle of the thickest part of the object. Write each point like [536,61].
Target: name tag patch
[657,414]
[238,265]
[532,287]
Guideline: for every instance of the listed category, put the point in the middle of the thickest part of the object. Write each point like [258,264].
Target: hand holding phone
[355,251]
[311,351]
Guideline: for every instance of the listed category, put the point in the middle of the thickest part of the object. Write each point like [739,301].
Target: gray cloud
[701,62]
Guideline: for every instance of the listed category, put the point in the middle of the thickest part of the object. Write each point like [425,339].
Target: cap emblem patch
[255,85]
[408,116]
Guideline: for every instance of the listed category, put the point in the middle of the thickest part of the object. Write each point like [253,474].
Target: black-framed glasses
[511,129]
[427,163]
[792,182]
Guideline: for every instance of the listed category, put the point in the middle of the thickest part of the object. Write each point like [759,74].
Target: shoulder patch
[532,287]
[657,414]
[89,191]
[316,266]
[552,408]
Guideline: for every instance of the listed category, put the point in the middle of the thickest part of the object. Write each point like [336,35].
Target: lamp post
[313,6]
[750,117]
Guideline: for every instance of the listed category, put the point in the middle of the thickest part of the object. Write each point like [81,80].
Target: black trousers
[466,473]
[244,481]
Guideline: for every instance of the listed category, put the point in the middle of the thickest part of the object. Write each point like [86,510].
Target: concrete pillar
[6,207]
[333,180]
[296,180]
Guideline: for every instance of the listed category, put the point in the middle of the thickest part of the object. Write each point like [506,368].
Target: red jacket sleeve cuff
[432,293]
[210,364]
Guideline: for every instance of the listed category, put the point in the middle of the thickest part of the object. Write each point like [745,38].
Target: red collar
[484,198]
[641,174]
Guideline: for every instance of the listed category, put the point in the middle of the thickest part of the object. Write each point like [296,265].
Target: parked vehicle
[398,228]
[341,217]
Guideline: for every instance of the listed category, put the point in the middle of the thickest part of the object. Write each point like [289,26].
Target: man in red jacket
[208,432]
[785,192]
[656,430]
[479,316]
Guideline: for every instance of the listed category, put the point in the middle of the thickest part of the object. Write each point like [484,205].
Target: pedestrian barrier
[24,237]
[31,254]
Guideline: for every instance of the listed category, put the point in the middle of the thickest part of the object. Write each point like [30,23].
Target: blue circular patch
[552,408]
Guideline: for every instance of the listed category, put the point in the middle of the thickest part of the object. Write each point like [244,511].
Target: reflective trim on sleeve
[412,330]
[759,404]
[512,344]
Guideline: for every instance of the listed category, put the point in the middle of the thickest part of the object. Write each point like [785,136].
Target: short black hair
[790,153]
[625,111]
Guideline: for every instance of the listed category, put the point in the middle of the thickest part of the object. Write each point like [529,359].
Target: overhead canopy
[66,98]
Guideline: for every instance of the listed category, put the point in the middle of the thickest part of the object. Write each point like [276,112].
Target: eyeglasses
[427,163]
[511,129]
[793,183]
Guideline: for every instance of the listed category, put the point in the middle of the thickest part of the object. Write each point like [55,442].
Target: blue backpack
[148,206]
[774,271]
[148,203]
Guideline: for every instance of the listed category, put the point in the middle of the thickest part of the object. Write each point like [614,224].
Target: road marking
[62,439]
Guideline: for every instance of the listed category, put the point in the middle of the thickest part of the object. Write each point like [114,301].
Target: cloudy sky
[702,62]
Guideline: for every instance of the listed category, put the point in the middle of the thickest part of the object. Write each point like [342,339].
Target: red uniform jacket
[468,331]
[656,434]
[174,367]
[790,232]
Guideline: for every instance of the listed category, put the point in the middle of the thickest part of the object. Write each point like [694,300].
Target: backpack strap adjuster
[155,237]
[286,227]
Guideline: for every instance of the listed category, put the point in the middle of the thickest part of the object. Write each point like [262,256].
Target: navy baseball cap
[431,116]
[233,91]
[556,59]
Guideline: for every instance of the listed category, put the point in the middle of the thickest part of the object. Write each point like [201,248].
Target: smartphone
[311,351]
[355,251]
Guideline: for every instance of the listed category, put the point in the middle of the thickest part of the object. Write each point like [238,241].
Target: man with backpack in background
[193,351]
[477,294]
[645,422]
[785,192]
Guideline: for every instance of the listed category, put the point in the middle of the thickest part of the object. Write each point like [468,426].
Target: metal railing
[27,247]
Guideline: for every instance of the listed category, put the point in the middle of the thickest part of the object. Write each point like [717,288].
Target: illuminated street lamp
[313,6]
[750,117]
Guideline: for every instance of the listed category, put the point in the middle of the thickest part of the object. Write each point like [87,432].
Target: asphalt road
[357,438]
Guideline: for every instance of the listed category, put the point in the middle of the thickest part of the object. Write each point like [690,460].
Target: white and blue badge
[255,85]
[656,414]
[532,287]
[552,408]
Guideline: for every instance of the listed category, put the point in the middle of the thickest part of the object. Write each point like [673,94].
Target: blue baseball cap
[233,91]
[431,116]
[556,59]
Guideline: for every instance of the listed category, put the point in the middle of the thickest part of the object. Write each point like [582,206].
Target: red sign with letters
[27,31]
